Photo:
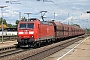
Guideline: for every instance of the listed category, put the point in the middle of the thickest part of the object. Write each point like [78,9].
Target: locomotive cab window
[30,25]
[26,25]
[22,26]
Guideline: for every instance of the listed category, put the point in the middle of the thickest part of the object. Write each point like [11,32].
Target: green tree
[14,26]
[4,21]
[17,21]
[87,30]
[76,25]
[9,25]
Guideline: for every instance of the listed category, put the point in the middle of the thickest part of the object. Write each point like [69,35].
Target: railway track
[10,52]
[6,38]
[5,49]
[38,53]
[52,50]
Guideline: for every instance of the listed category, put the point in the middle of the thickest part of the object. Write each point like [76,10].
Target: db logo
[26,32]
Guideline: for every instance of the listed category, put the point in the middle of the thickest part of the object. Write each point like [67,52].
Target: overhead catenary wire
[55,4]
[38,10]
[58,6]
[18,2]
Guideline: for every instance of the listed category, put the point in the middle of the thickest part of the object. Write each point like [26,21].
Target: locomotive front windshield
[26,25]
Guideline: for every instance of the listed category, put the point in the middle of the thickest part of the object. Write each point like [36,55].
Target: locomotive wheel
[29,45]
[33,44]
[38,44]
[18,45]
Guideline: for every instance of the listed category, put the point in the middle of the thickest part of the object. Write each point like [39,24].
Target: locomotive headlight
[31,32]
[32,36]
[20,32]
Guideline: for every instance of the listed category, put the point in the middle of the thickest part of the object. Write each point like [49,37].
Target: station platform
[8,44]
[77,51]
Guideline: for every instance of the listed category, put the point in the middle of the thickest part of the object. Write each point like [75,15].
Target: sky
[64,11]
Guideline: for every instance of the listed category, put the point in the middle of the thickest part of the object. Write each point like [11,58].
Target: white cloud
[76,8]
[65,9]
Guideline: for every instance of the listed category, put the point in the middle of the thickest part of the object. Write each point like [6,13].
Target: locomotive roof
[31,19]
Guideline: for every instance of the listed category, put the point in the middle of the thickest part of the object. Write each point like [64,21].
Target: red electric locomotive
[34,31]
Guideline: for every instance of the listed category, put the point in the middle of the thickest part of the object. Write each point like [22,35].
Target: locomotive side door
[39,31]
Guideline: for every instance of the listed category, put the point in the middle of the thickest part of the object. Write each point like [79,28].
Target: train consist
[34,31]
